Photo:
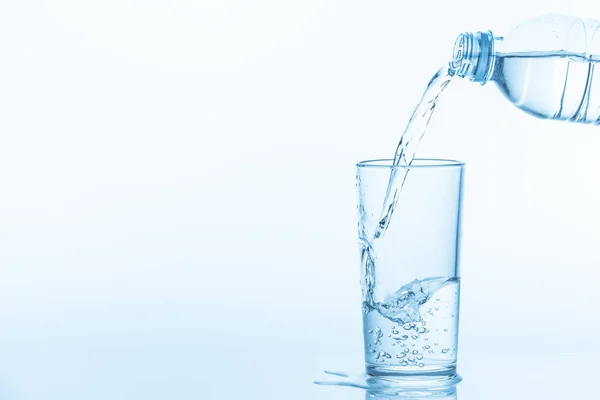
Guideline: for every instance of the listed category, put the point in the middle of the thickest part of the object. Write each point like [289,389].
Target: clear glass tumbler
[410,272]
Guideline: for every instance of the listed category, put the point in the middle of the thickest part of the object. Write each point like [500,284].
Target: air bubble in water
[411,358]
[404,363]
[415,337]
[400,355]
[426,347]
[445,330]
[421,365]
[415,352]
[377,335]
[419,357]
[445,351]
[422,330]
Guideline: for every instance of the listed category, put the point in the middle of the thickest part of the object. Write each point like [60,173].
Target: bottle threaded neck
[473,56]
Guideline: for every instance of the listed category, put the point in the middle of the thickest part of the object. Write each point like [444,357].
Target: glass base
[431,371]
[405,380]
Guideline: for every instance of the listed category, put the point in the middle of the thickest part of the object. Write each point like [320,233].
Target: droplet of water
[445,351]
[419,357]
[426,347]
[422,330]
[421,365]
[411,358]
[415,352]
[400,355]
[408,326]
[395,332]
[415,337]
[404,363]
[406,350]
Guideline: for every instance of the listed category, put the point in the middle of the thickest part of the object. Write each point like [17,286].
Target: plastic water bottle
[544,66]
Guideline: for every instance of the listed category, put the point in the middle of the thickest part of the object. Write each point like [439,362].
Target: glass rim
[417,163]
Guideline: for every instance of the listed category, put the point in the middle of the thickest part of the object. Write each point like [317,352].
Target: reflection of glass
[439,394]
[410,275]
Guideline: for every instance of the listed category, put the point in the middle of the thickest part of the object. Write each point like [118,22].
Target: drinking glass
[410,269]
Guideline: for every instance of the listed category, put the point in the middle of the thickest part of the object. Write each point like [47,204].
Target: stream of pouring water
[409,141]
[404,156]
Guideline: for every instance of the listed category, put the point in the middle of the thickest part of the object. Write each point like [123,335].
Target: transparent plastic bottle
[544,66]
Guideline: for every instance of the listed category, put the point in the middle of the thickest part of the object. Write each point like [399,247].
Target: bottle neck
[473,56]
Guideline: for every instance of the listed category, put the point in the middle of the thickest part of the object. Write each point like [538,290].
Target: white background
[182,173]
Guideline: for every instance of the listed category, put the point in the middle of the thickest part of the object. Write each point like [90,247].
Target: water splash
[402,307]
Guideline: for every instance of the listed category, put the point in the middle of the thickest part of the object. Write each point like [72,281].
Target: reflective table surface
[147,353]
